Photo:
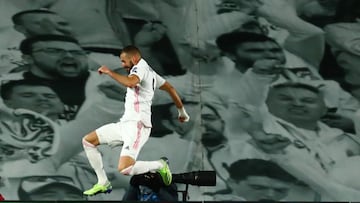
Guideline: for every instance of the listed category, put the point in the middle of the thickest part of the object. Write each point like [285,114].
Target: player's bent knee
[124,163]
[91,138]
[87,143]
[126,171]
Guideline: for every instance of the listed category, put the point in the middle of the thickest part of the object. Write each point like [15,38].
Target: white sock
[141,167]
[95,159]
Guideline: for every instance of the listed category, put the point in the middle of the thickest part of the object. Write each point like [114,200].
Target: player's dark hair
[131,50]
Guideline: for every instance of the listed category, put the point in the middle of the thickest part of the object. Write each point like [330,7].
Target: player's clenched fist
[104,69]
[183,116]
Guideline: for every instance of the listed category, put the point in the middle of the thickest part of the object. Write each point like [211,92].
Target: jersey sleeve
[138,71]
[159,80]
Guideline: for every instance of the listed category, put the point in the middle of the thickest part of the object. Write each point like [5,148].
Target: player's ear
[135,58]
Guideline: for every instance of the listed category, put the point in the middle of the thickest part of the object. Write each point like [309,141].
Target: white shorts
[132,134]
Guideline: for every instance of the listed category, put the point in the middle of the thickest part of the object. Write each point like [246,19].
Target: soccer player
[134,127]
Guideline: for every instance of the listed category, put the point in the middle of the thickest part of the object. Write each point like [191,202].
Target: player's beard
[128,68]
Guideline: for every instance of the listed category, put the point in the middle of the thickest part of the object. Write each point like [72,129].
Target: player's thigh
[135,135]
[109,133]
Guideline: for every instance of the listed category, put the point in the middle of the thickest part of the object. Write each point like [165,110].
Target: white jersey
[138,99]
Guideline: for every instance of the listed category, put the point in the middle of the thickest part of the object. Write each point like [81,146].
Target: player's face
[126,62]
[257,188]
[296,105]
[55,59]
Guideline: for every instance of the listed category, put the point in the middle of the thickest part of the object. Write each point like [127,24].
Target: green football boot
[165,171]
[97,188]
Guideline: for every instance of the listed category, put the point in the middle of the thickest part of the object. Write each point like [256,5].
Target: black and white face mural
[270,84]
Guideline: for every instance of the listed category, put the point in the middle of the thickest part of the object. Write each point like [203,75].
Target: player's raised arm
[127,81]
[183,116]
